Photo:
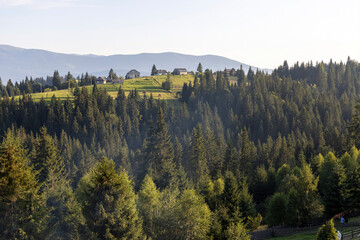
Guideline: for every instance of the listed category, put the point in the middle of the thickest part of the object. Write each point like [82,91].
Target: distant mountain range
[16,63]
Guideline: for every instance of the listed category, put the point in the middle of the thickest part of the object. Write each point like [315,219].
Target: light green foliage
[149,204]
[348,163]
[304,201]
[254,223]
[316,163]
[193,216]
[236,231]
[327,232]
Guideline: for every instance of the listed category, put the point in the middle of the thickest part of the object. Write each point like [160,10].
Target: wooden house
[179,71]
[118,81]
[132,74]
[160,72]
[101,80]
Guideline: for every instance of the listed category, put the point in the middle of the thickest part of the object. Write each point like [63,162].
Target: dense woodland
[273,149]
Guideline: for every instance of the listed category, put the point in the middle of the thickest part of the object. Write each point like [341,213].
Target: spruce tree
[153,70]
[198,167]
[108,203]
[22,209]
[47,161]
[160,154]
[149,206]
[199,68]
[56,81]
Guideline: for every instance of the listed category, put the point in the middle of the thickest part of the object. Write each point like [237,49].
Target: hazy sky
[259,32]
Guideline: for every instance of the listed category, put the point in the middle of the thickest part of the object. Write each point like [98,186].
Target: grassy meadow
[148,85]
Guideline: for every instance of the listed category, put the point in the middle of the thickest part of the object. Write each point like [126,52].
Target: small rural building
[118,81]
[101,80]
[179,71]
[160,72]
[132,74]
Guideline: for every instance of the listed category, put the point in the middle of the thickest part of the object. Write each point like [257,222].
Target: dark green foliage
[22,209]
[47,161]
[112,75]
[276,210]
[332,181]
[199,68]
[56,81]
[288,117]
[197,167]
[108,203]
[160,154]
[153,70]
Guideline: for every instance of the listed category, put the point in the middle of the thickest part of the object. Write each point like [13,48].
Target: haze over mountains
[16,63]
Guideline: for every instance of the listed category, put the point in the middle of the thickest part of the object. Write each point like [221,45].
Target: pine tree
[241,76]
[108,203]
[153,70]
[47,161]
[199,68]
[22,210]
[231,198]
[112,75]
[56,81]
[198,168]
[160,154]
[322,77]
[354,127]
[149,206]
[250,75]
[245,157]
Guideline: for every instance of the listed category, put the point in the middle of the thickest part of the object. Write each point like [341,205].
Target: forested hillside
[225,158]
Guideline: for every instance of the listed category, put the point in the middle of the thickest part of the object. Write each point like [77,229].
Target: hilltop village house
[132,74]
[103,80]
[160,72]
[179,71]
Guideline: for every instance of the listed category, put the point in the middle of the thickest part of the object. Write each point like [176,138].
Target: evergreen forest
[218,162]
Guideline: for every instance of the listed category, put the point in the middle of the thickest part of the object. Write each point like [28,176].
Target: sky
[261,33]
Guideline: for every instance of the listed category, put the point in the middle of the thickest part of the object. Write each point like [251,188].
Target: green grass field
[147,85]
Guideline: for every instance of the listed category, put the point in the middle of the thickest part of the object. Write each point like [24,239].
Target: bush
[327,232]
[254,222]
[236,231]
